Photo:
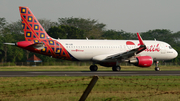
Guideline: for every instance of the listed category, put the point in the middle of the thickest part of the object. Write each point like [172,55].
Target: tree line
[74,28]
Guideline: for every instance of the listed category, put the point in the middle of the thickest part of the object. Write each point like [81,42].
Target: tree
[159,34]
[11,33]
[92,28]
[176,37]
[2,23]
[66,32]
[129,36]
[46,24]
[15,27]
[112,34]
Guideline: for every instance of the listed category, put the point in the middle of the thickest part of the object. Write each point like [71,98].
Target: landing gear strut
[116,68]
[156,66]
[93,68]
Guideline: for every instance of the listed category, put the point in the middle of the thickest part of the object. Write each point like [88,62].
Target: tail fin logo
[35,35]
[32,28]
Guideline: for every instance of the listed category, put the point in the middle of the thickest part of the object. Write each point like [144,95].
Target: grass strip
[134,88]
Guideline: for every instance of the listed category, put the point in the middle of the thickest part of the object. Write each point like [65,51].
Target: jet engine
[142,61]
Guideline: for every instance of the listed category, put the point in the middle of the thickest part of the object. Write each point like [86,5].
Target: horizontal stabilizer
[38,46]
[10,44]
[26,44]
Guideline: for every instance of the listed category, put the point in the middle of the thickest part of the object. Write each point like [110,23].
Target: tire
[93,68]
[157,69]
[116,68]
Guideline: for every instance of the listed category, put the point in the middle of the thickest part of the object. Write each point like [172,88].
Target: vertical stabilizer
[33,31]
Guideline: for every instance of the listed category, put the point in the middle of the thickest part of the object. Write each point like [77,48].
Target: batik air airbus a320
[108,53]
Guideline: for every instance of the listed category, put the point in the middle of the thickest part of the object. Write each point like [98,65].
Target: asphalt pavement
[86,73]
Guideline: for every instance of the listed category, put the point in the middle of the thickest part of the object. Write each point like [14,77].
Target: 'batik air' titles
[152,48]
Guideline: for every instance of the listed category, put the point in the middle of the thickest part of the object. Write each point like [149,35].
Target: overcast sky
[128,15]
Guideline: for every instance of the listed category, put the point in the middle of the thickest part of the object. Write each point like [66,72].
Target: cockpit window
[170,47]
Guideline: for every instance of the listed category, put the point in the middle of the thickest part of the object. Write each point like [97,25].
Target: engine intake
[142,61]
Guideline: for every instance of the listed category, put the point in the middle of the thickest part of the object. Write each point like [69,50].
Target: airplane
[108,53]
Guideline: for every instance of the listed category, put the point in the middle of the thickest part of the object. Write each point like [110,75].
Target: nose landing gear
[156,66]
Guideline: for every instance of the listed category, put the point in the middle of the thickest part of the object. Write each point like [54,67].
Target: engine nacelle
[142,61]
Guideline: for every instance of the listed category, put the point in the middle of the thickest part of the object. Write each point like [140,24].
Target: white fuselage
[85,50]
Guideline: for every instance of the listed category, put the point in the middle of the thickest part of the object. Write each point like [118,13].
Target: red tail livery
[37,40]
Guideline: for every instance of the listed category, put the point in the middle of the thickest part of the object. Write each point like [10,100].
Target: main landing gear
[156,66]
[93,68]
[114,68]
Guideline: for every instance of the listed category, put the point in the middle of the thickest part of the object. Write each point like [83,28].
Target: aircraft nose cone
[175,53]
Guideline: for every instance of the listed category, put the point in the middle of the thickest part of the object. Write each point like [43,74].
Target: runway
[86,73]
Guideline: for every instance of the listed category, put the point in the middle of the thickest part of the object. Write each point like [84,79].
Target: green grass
[126,88]
[82,68]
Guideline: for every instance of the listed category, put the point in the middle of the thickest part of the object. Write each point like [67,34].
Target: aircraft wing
[124,55]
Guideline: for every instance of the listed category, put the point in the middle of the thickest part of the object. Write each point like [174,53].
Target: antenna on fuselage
[154,39]
[86,38]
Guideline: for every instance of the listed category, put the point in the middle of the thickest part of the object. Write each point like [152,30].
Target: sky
[128,15]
